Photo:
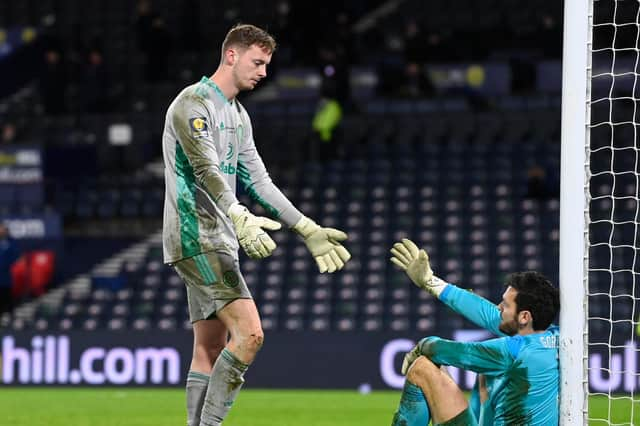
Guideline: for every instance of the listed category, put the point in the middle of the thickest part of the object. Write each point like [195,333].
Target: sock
[413,409]
[224,385]
[196,389]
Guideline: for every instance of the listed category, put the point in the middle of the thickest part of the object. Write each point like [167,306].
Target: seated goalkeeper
[520,368]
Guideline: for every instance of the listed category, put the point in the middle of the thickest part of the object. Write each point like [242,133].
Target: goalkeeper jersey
[207,143]
[522,371]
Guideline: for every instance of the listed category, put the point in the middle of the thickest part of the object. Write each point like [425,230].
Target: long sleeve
[256,180]
[492,357]
[476,309]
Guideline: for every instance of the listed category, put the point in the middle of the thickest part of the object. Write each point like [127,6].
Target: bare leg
[209,338]
[243,322]
[445,399]
[241,318]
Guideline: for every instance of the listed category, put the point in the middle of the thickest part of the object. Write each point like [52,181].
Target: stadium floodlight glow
[600,211]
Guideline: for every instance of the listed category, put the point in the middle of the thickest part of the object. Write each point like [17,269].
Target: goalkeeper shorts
[213,280]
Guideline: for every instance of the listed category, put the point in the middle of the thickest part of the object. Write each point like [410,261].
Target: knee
[252,341]
[422,371]
[257,340]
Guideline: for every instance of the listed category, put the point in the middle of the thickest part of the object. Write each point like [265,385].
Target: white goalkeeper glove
[250,230]
[410,358]
[415,263]
[323,243]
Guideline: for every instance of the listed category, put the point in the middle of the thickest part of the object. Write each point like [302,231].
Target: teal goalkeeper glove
[323,243]
[415,263]
[250,230]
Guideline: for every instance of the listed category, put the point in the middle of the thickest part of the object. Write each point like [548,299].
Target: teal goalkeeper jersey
[523,371]
[207,144]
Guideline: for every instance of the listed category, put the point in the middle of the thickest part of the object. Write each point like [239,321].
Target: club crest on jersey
[230,279]
[199,127]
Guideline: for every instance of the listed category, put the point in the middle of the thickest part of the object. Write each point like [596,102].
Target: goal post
[600,213]
[576,76]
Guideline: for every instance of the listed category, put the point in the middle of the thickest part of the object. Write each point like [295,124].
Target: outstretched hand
[324,245]
[250,230]
[415,262]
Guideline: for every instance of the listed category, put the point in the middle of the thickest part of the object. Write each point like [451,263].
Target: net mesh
[614,210]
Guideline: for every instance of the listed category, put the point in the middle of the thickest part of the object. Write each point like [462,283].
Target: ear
[524,318]
[230,56]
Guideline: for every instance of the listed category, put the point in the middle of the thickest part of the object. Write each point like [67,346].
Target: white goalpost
[600,213]
[573,211]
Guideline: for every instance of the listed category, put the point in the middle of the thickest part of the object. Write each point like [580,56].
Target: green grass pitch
[159,407]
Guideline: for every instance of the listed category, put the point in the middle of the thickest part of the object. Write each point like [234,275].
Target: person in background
[9,253]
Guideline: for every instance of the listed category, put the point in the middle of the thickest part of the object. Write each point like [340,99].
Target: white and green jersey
[207,141]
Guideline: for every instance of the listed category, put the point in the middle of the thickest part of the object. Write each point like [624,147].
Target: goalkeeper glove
[249,228]
[410,358]
[323,243]
[415,263]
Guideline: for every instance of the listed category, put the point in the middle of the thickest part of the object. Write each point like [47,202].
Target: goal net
[600,331]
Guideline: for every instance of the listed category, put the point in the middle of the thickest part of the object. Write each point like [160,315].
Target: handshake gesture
[415,262]
[323,243]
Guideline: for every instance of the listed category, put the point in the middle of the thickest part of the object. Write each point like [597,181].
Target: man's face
[508,309]
[250,66]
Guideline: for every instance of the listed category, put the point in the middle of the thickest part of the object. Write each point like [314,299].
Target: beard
[241,83]
[510,328]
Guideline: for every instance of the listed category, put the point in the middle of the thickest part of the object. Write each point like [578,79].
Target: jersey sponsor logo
[240,133]
[199,127]
[230,279]
[227,168]
[229,129]
[229,151]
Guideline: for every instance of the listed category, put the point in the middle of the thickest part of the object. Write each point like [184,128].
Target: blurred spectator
[325,123]
[95,82]
[538,185]
[155,42]
[8,255]
[416,82]
[190,34]
[8,133]
[551,37]
[414,43]
[390,66]
[284,32]
[144,18]
[158,51]
[53,82]
[334,53]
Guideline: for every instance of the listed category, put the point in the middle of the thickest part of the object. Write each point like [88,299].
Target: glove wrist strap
[305,227]
[437,286]
[235,209]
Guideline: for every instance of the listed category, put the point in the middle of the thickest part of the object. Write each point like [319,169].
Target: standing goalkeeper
[207,141]
[520,369]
